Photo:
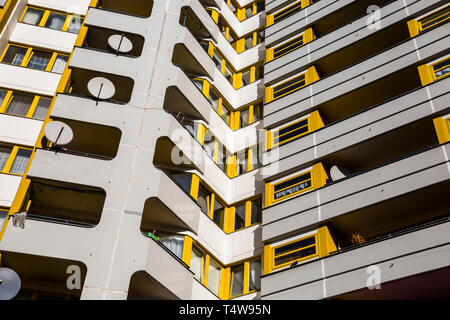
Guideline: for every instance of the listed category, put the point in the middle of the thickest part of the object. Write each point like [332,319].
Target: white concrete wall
[18,130]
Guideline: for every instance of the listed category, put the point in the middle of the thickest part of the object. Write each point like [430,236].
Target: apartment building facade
[234,149]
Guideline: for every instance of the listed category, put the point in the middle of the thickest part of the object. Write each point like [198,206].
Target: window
[297,250]
[317,243]
[14,159]
[245,278]
[205,268]
[293,130]
[435,70]
[290,45]
[52,20]
[174,243]
[287,12]
[250,75]
[3,215]
[237,280]
[35,59]
[247,214]
[291,85]
[312,178]
[24,104]
[250,114]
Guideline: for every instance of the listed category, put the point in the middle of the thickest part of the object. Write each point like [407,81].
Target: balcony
[65,203]
[140,8]
[98,38]
[407,257]
[411,189]
[43,278]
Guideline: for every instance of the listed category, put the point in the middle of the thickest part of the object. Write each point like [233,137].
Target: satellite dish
[9,284]
[120,43]
[101,88]
[58,133]
[337,173]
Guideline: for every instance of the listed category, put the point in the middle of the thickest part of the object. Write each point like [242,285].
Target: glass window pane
[33,16]
[219,213]
[42,108]
[245,78]
[256,215]
[203,199]
[242,162]
[3,214]
[214,271]
[15,55]
[183,180]
[174,243]
[226,114]
[39,60]
[5,152]
[20,104]
[60,63]
[214,99]
[2,96]
[75,25]
[55,21]
[255,275]
[239,217]
[21,161]
[196,264]
[237,280]
[244,118]
[257,112]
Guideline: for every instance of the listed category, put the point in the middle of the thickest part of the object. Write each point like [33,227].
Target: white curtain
[60,64]
[42,108]
[174,244]
[39,61]
[255,275]
[4,155]
[237,280]
[55,21]
[19,106]
[214,277]
[75,25]
[21,161]
[33,16]
[18,55]
[196,264]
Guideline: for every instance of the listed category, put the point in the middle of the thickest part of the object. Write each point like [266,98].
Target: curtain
[21,161]
[33,16]
[55,21]
[42,108]
[39,60]
[196,264]
[19,54]
[19,105]
[255,275]
[75,25]
[60,64]
[214,277]
[4,155]
[237,280]
[174,244]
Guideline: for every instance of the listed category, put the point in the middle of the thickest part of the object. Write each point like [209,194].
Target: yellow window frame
[427,72]
[306,36]
[309,76]
[416,27]
[318,178]
[12,156]
[324,243]
[29,54]
[46,15]
[442,127]
[314,122]
[271,17]
[246,282]
[9,97]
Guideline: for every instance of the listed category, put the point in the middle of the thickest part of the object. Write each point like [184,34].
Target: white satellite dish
[9,284]
[58,133]
[101,88]
[120,43]
[338,173]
